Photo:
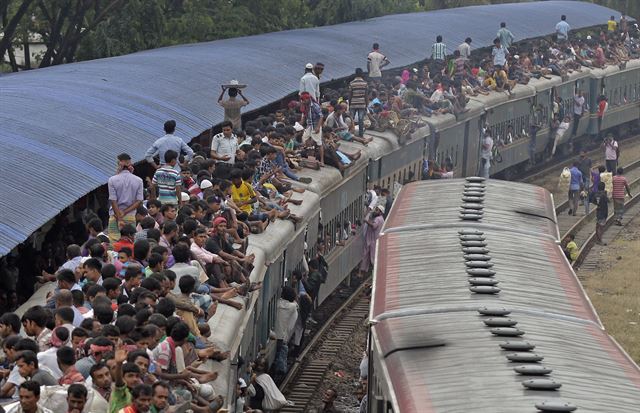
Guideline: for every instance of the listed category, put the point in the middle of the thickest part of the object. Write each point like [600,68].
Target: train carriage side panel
[342,206]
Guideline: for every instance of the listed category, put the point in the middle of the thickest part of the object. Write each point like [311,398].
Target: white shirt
[311,84]
[374,199]
[181,269]
[610,151]
[286,320]
[225,146]
[49,360]
[465,50]
[375,59]
[486,152]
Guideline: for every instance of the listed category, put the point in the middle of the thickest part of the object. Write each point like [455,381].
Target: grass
[614,289]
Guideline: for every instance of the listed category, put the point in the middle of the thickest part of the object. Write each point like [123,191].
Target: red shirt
[619,183]
[123,242]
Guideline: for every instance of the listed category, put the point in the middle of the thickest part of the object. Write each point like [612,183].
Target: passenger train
[332,201]
[476,308]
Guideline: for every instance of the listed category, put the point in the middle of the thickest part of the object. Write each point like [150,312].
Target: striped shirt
[358,88]
[619,183]
[438,51]
[167,179]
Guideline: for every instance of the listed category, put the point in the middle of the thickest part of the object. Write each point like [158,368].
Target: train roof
[504,204]
[451,362]
[438,354]
[64,125]
[424,269]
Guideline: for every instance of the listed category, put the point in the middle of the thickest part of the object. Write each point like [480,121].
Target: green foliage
[88,31]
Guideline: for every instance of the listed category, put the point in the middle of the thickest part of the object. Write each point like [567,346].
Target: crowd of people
[125,329]
[128,318]
[598,184]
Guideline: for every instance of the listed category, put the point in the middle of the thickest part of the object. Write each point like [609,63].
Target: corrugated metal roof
[504,204]
[63,126]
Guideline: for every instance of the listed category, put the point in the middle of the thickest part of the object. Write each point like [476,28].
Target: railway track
[306,375]
[583,226]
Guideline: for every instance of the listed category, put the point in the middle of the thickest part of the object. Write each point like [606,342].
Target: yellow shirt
[243,193]
[612,25]
[573,250]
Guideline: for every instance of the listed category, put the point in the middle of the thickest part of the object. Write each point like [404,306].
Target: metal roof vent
[541,384]
[496,311]
[477,199]
[484,289]
[475,185]
[476,257]
[471,192]
[525,357]
[532,370]
[475,179]
[473,243]
[472,238]
[517,346]
[506,331]
[475,250]
[548,406]
[470,231]
[471,206]
[471,211]
[500,322]
[478,264]
[470,217]
[482,281]
[480,272]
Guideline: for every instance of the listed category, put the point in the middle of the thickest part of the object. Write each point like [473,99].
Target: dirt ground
[614,288]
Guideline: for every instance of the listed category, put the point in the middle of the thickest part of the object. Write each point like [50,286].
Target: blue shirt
[168,142]
[576,179]
[562,28]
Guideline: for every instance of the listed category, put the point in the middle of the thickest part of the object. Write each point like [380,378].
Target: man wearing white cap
[310,83]
[371,231]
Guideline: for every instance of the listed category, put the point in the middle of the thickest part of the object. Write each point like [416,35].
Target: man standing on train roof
[499,53]
[358,96]
[505,36]
[312,119]
[232,105]
[562,29]
[465,48]
[224,145]
[310,83]
[125,196]
[371,231]
[375,62]
[438,54]
[168,142]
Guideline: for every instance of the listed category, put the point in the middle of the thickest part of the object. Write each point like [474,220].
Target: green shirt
[120,398]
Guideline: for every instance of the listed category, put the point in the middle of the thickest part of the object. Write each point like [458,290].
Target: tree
[11,14]
[138,25]
[64,23]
